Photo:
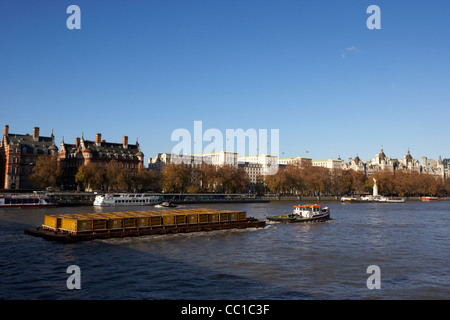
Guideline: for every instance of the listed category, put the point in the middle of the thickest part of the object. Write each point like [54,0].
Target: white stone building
[329,163]
[193,160]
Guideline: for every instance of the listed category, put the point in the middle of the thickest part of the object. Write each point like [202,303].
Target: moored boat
[126,199]
[429,199]
[34,200]
[353,199]
[304,213]
[388,199]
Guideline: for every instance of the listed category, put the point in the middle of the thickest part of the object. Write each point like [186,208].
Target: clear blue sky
[311,69]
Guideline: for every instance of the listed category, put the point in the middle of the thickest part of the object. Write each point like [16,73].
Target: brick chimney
[6,131]
[125,142]
[98,139]
[77,142]
[36,133]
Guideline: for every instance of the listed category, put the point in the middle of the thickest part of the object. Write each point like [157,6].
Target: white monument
[375,187]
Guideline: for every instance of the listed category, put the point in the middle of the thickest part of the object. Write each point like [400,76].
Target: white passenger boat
[34,200]
[126,199]
[388,199]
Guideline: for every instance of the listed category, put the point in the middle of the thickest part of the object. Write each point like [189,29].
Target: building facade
[329,163]
[295,161]
[98,152]
[19,154]
[407,163]
[193,160]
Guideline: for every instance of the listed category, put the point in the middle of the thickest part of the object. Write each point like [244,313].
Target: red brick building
[100,152]
[18,156]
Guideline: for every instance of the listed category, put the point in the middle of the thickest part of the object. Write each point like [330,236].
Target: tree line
[206,178]
[174,178]
[316,181]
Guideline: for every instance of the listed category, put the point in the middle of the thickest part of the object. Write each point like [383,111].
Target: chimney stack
[125,142]
[98,139]
[6,131]
[36,133]
[77,142]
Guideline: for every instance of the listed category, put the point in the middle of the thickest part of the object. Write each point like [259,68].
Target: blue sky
[311,69]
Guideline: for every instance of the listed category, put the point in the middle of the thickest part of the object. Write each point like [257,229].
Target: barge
[71,228]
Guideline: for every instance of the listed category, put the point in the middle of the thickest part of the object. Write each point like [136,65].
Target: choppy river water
[408,242]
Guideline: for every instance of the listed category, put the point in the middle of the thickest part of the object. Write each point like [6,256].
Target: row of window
[74,164]
[133,201]
[35,150]
[17,170]
[20,201]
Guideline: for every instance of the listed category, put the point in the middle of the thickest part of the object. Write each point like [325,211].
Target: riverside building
[193,160]
[19,154]
[100,153]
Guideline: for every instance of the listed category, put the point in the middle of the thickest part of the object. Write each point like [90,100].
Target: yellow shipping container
[99,224]
[233,216]
[115,223]
[223,216]
[213,217]
[142,221]
[192,218]
[155,220]
[76,224]
[129,222]
[68,224]
[52,221]
[168,219]
[180,218]
[203,217]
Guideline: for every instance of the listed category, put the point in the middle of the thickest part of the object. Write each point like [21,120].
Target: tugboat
[304,213]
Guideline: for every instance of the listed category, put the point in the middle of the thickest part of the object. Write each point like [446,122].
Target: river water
[408,242]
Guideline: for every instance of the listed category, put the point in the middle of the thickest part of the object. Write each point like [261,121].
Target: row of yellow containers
[120,220]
